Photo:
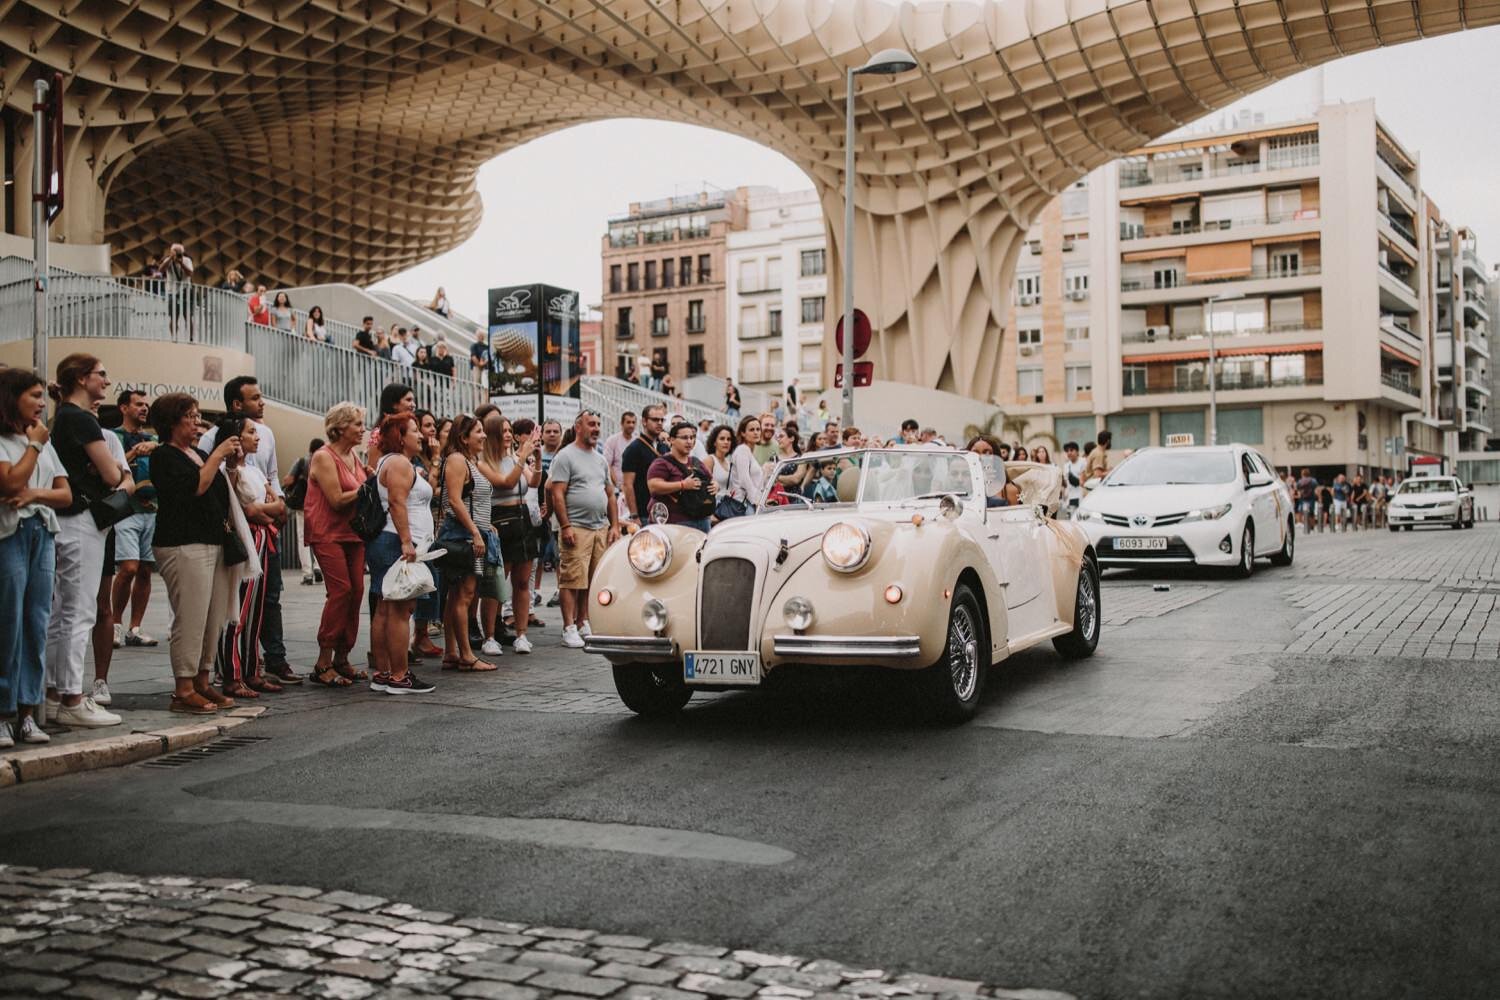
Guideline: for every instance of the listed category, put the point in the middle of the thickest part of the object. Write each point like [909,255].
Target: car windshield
[1174,468]
[866,477]
[1427,486]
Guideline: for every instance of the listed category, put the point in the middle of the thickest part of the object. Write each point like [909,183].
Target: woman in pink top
[334,479]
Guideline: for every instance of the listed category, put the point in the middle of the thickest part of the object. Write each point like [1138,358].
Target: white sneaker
[522,645]
[101,692]
[585,630]
[86,715]
[32,733]
[492,648]
[135,637]
[506,610]
[119,635]
[7,740]
[571,638]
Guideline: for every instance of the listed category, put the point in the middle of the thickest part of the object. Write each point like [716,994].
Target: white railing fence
[611,397]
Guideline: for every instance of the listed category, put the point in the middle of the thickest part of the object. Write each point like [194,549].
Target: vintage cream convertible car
[897,557]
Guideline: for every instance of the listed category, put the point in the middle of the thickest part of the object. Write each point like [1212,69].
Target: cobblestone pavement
[76,933]
[1124,603]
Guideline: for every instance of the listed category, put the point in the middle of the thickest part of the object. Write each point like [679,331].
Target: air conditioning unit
[1078,295]
[1029,300]
[1035,246]
[1027,350]
[1163,332]
[1067,245]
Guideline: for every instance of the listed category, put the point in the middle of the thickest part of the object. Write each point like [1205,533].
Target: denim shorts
[380,556]
[133,537]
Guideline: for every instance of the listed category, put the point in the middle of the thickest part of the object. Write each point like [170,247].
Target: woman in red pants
[334,478]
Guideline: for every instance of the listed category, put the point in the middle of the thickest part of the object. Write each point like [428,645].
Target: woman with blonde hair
[439,303]
[334,478]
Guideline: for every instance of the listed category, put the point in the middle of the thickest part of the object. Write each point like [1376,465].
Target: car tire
[1087,616]
[955,682]
[652,690]
[1288,548]
[1246,567]
[1395,528]
[1406,527]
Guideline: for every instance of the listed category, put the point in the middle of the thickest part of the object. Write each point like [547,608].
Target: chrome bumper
[894,647]
[630,645]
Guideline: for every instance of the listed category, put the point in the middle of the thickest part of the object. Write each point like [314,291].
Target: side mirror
[1093,483]
[1258,479]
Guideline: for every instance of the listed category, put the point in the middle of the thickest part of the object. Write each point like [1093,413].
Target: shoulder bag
[110,509]
[368,520]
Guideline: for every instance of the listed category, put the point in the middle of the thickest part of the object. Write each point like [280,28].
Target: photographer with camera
[176,268]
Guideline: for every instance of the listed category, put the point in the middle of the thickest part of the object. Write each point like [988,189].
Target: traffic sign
[862,336]
[864,373]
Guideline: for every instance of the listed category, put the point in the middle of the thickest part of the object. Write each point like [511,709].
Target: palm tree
[1011,427]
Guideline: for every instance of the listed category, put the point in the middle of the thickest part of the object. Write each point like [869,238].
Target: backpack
[368,520]
[696,504]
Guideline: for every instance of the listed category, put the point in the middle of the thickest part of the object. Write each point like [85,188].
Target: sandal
[329,677]
[428,650]
[452,664]
[210,695]
[346,670]
[264,684]
[535,622]
[193,704]
[236,689]
[475,666]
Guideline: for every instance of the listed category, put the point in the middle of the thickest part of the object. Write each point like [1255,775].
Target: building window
[685,271]
[1029,341]
[773,365]
[696,364]
[633,278]
[668,273]
[695,322]
[623,329]
[1029,289]
[705,268]
[1285,263]
[1133,379]
[1190,376]
[1076,335]
[812,359]
[1080,380]
[1240,426]
[1029,385]
[660,326]
[1288,369]
[1164,277]
[812,310]
[773,326]
[1076,286]
[750,370]
[812,263]
[616,282]
[650,275]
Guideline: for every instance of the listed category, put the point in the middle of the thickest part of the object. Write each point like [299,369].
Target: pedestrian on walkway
[102,640]
[335,477]
[635,464]
[746,475]
[584,500]
[428,464]
[238,666]
[194,551]
[466,501]
[92,473]
[295,486]
[614,448]
[1097,465]
[731,400]
[33,487]
[508,457]
[551,444]
[407,499]
[131,585]
[1307,500]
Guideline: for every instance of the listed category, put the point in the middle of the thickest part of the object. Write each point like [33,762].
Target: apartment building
[663,285]
[1294,253]
[777,296]
[1461,334]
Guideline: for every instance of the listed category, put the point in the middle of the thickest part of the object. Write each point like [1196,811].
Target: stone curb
[46,762]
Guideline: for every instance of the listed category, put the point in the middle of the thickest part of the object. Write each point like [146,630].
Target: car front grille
[1116,521]
[727,604]
[1167,519]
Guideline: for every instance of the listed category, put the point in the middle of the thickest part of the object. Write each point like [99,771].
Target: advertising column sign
[535,352]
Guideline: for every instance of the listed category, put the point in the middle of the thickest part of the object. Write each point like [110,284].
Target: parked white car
[1211,506]
[1437,500]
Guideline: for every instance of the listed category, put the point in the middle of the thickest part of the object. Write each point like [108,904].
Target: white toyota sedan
[1213,506]
[1430,500]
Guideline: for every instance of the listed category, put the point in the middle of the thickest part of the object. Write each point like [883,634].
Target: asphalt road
[1192,813]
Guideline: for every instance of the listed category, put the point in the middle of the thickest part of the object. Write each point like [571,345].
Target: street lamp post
[885,63]
[1213,364]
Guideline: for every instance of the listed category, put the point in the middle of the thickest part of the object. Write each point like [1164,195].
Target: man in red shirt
[678,483]
[260,309]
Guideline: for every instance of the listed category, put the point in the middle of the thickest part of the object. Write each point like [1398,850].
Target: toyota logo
[1140,520]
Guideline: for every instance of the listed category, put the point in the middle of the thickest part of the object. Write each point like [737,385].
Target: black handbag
[110,509]
[234,549]
[368,520]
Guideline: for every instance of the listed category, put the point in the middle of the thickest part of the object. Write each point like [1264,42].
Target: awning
[1223,140]
[1401,355]
[1289,238]
[1136,255]
[1151,359]
[1219,260]
[1391,247]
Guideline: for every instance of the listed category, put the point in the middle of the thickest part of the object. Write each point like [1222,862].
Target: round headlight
[654,615]
[798,612]
[650,552]
[846,547]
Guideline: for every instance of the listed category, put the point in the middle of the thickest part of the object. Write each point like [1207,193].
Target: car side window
[1247,467]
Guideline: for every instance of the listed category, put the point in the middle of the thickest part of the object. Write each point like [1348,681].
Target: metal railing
[1253,274]
[1141,175]
[1225,383]
[1400,227]
[1183,227]
[1403,278]
[1399,380]
[611,397]
[757,286]
[1199,333]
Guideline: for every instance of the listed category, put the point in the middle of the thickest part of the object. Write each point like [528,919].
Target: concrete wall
[85,258]
[1351,293]
[154,367]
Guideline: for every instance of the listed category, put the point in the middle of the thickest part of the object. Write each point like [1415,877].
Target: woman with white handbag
[407,499]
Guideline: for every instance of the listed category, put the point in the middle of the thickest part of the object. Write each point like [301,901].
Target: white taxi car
[1436,500]
[1216,505]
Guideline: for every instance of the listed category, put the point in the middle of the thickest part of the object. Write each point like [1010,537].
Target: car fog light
[1225,545]
[798,612]
[606,598]
[654,614]
[893,594]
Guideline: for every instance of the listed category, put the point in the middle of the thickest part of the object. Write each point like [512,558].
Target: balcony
[660,326]
[1401,228]
[1477,382]
[1479,419]
[759,286]
[1192,227]
[1226,383]
[1189,170]
[1475,302]
[696,323]
[1253,274]
[1472,262]
[1400,380]
[1159,334]
[1477,342]
[624,331]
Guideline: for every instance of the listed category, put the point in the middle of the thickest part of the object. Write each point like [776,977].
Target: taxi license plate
[710,668]
[1129,544]
[1419,517]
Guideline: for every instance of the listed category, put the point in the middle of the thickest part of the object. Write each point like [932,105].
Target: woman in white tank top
[407,499]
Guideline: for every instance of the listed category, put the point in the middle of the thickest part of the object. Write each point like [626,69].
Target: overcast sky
[546,203]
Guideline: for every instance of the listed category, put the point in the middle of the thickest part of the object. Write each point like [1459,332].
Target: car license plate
[1419,517]
[709,668]
[1129,544]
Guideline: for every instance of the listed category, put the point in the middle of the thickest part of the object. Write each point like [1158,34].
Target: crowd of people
[1341,504]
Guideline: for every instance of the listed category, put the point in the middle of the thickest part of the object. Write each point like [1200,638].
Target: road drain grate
[191,754]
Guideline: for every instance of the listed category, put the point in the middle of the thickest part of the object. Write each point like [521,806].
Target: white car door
[1261,503]
[1016,539]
